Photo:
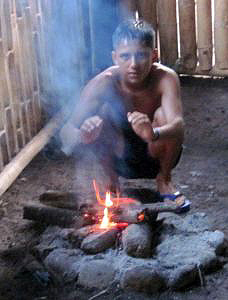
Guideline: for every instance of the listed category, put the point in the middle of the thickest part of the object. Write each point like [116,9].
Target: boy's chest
[146,102]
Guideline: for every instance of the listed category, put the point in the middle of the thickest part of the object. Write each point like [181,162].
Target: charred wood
[67,200]
[53,216]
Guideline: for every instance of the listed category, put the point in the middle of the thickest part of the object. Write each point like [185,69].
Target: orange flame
[108,202]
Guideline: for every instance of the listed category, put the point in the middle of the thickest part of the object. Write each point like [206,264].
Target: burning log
[67,200]
[145,212]
[53,216]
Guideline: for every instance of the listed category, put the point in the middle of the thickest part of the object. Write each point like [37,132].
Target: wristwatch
[156,132]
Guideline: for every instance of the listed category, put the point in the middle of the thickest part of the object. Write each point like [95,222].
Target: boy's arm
[84,125]
[171,106]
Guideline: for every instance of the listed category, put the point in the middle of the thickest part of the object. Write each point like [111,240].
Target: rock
[197,222]
[182,276]
[137,240]
[180,254]
[98,242]
[142,279]
[96,274]
[64,263]
[53,238]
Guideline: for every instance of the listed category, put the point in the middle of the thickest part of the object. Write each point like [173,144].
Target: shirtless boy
[131,114]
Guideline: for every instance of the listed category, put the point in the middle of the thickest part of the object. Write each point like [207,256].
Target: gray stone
[137,240]
[52,238]
[98,242]
[180,254]
[142,279]
[96,273]
[197,222]
[183,276]
[64,263]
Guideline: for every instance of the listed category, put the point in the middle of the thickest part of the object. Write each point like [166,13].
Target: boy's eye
[125,56]
[141,55]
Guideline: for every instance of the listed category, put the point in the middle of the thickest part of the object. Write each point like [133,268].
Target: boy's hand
[91,129]
[141,125]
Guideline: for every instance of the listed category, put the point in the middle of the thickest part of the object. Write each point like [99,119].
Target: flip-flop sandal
[185,207]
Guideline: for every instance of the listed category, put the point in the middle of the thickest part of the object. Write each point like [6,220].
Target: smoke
[78,45]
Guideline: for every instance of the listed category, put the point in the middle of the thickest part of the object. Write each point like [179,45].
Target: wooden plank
[31,117]
[167,26]
[187,34]
[221,34]
[11,138]
[204,33]
[24,53]
[83,53]
[31,56]
[14,84]
[4,93]
[101,57]
[3,149]
[25,118]
[6,25]
[18,9]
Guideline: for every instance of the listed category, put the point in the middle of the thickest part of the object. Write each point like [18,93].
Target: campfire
[103,241]
[101,223]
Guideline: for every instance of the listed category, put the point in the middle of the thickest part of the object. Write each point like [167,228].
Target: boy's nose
[133,61]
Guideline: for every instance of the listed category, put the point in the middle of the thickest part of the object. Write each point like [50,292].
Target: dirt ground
[202,175]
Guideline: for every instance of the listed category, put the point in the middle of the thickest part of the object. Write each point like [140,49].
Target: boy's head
[132,29]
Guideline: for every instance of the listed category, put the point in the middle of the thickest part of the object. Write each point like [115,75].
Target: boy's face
[134,60]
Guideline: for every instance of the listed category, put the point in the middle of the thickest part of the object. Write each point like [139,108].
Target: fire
[108,203]
[106,219]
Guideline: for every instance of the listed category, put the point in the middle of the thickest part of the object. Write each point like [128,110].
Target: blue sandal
[185,207]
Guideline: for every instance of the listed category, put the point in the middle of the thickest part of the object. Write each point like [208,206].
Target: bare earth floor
[202,175]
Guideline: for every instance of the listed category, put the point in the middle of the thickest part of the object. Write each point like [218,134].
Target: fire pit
[120,241]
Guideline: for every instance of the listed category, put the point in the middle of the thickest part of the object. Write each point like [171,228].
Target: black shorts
[136,161]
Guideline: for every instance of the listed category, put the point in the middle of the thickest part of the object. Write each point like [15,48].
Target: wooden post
[204,31]
[221,34]
[148,12]
[167,27]
[187,34]
[128,8]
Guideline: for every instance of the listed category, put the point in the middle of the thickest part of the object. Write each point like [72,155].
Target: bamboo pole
[187,34]
[6,25]
[204,31]
[167,26]
[23,158]
[221,34]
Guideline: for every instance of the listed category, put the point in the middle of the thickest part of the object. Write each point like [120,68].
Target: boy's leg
[168,152]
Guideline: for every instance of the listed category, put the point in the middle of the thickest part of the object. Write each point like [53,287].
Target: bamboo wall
[20,112]
[188,39]
[191,36]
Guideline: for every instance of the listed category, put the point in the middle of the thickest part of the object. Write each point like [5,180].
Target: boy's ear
[155,55]
[114,57]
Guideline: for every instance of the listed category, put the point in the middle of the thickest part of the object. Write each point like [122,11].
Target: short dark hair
[132,29]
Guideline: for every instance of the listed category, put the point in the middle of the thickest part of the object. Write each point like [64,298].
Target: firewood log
[53,216]
[67,200]
[144,212]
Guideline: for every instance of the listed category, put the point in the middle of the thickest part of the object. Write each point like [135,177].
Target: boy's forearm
[172,130]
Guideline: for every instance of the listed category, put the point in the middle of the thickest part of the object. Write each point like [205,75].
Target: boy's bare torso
[108,85]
